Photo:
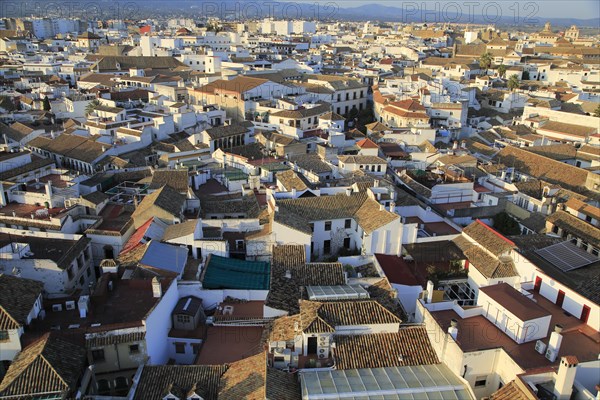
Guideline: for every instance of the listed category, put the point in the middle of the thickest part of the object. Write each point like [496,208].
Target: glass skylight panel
[411,379]
[414,382]
[338,292]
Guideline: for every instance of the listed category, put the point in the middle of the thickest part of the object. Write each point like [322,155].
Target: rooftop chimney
[83,304]
[455,145]
[429,291]
[453,328]
[554,343]
[156,288]
[565,377]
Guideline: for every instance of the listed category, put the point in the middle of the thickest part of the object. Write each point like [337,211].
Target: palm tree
[485,61]
[513,82]
[501,69]
[91,106]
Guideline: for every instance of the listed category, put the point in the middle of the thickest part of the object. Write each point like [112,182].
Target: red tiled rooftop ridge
[496,232]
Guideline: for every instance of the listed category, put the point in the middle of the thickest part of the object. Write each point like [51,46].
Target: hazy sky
[584,9]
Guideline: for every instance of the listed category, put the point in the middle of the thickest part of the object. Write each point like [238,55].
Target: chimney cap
[570,360]
[558,328]
[453,322]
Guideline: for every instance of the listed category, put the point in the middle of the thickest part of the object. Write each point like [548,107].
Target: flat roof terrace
[478,333]
[226,344]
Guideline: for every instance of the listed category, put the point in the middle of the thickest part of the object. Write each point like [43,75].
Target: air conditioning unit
[321,355]
[57,307]
[70,305]
[551,355]
[540,347]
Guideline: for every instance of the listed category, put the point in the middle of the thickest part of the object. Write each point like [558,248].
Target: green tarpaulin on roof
[231,273]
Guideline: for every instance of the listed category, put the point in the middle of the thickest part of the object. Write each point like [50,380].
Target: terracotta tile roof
[571,360]
[240,85]
[175,178]
[290,179]
[408,105]
[179,230]
[532,187]
[343,313]
[362,159]
[247,205]
[156,381]
[288,255]
[96,197]
[282,385]
[571,129]
[588,152]
[407,347]
[165,198]
[94,341]
[558,152]
[226,131]
[36,162]
[13,132]
[49,365]
[71,146]
[281,329]
[476,146]
[278,138]
[377,127]
[17,297]
[62,251]
[576,227]
[488,238]
[114,63]
[405,114]
[298,213]
[285,293]
[331,116]
[451,159]
[490,266]
[311,162]
[511,391]
[367,143]
[583,208]
[245,379]
[318,110]
[542,167]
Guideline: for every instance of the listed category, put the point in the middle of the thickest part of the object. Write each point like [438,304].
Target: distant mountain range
[450,14]
[252,9]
